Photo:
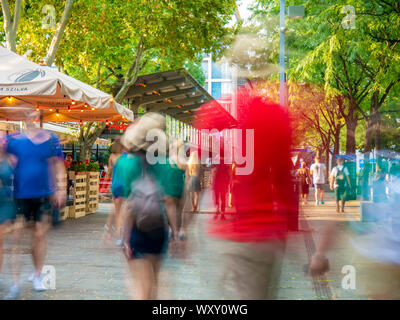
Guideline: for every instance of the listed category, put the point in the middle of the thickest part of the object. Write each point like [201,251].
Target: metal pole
[41,119]
[282,86]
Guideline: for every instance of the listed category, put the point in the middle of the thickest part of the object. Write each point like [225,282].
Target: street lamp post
[282,80]
[293,12]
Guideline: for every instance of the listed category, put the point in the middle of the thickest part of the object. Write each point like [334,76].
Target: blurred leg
[39,245]
[196,200]
[117,216]
[3,229]
[142,274]
[18,230]
[251,270]
[155,266]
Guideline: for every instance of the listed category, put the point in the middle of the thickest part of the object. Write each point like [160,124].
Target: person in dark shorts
[340,182]
[194,185]
[144,250]
[39,162]
[305,180]
[318,172]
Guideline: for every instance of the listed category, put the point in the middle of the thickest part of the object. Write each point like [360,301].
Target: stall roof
[175,93]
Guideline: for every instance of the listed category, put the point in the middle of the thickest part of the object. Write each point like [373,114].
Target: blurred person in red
[255,239]
[221,180]
[39,164]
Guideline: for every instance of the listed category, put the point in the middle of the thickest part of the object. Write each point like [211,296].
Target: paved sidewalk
[86,268]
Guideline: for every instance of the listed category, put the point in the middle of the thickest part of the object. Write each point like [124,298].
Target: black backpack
[145,201]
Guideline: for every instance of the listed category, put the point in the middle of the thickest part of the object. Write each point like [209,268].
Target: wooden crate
[64,213]
[92,192]
[78,209]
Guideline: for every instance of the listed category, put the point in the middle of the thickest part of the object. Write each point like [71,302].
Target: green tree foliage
[108,44]
[361,64]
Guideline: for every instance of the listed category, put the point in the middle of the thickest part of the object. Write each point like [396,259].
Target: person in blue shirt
[39,162]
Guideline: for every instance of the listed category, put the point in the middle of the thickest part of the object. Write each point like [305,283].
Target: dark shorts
[319,186]
[305,189]
[194,184]
[153,242]
[340,193]
[37,209]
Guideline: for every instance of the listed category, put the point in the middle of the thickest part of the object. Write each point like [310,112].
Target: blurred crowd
[157,189]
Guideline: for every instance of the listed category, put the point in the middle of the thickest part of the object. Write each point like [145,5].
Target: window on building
[216,90]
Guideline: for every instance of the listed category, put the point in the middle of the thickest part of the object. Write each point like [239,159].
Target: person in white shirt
[318,172]
[338,179]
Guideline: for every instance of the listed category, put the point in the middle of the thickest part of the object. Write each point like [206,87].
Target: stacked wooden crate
[79,193]
[92,191]
[64,211]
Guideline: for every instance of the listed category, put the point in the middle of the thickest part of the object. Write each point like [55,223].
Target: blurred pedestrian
[174,186]
[221,180]
[303,175]
[194,185]
[113,225]
[340,182]
[145,218]
[40,163]
[7,208]
[253,243]
[318,171]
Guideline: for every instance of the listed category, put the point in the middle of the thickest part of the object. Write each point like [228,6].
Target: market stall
[26,86]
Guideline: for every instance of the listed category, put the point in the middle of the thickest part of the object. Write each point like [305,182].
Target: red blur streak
[262,198]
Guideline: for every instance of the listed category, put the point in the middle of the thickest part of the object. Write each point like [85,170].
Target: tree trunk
[84,150]
[327,153]
[351,125]
[10,26]
[368,135]
[51,53]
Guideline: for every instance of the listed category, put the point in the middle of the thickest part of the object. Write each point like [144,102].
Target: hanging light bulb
[69,109]
[93,109]
[81,110]
[73,102]
[50,110]
[111,99]
[86,105]
[9,99]
[37,108]
[57,114]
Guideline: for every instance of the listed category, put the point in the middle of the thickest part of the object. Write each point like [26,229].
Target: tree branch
[51,53]
[17,14]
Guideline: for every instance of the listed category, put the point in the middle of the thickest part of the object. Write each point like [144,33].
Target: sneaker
[13,293]
[316,203]
[321,202]
[181,236]
[31,277]
[38,284]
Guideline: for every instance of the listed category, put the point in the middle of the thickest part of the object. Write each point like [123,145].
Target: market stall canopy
[25,84]
[175,93]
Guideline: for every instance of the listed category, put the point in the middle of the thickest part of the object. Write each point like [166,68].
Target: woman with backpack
[146,220]
[340,182]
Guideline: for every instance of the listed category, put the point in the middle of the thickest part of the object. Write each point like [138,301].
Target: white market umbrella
[60,98]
